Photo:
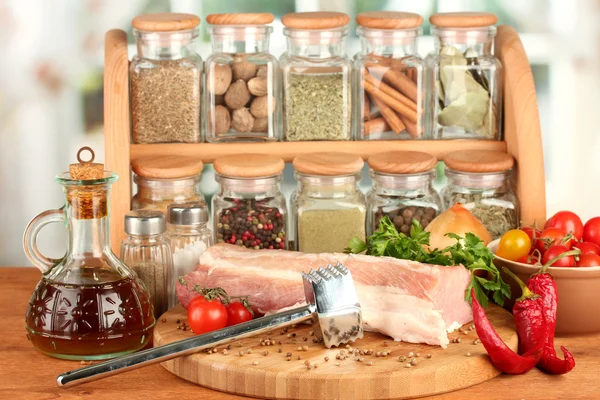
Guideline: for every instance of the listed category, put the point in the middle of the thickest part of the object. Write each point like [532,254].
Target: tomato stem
[544,267]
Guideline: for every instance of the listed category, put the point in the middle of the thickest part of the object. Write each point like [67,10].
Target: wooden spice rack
[521,125]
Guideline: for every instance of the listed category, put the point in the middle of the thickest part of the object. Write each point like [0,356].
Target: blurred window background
[51,89]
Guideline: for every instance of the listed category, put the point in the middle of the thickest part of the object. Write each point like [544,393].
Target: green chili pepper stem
[544,267]
[526,293]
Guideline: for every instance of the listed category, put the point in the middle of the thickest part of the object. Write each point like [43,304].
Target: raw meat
[409,301]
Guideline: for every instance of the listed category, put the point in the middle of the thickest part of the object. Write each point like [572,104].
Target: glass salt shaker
[166,67]
[402,190]
[189,237]
[242,101]
[148,254]
[389,77]
[464,78]
[316,77]
[481,181]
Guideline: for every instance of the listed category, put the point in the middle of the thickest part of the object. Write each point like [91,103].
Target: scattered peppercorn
[413,361]
[429,355]
[164,320]
[468,354]
[326,359]
[402,358]
[255,363]
[280,350]
[265,353]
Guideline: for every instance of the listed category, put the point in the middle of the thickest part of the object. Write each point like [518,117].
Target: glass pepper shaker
[242,101]
[464,78]
[402,190]
[316,77]
[189,237]
[389,77]
[146,252]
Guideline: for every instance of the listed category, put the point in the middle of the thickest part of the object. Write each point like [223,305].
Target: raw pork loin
[407,300]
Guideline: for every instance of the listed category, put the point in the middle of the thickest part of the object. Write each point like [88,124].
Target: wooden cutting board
[459,366]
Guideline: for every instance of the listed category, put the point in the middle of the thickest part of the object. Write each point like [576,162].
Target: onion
[458,220]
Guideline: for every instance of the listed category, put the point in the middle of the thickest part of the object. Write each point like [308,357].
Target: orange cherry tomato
[513,245]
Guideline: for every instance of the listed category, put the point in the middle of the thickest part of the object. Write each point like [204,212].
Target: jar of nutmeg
[242,80]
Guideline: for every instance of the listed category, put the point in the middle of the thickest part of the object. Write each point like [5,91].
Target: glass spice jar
[480,180]
[464,78]
[165,77]
[388,75]
[162,180]
[242,101]
[402,190]
[316,77]
[148,254]
[249,209]
[189,237]
[328,208]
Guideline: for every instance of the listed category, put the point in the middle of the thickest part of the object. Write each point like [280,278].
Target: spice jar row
[314,92]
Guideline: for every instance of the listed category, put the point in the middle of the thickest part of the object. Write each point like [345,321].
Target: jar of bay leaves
[464,78]
[249,209]
[402,190]
[242,101]
[388,76]
[328,208]
[165,77]
[481,181]
[316,77]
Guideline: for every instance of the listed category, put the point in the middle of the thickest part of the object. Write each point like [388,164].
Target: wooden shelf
[208,152]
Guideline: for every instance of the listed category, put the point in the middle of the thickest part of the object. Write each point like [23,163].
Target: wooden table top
[27,374]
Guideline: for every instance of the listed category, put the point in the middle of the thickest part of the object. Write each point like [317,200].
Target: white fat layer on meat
[223,264]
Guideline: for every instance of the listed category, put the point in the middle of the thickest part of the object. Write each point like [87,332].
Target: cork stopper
[86,170]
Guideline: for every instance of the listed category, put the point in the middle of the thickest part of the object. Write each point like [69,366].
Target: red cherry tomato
[587,248]
[567,221]
[553,236]
[206,315]
[237,313]
[530,259]
[555,251]
[591,231]
[589,260]
[530,232]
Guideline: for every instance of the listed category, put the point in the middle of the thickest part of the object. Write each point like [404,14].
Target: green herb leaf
[355,246]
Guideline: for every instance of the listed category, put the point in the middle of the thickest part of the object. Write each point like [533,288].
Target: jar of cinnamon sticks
[389,77]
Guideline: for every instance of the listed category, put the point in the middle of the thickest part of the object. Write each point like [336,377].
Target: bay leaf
[467,111]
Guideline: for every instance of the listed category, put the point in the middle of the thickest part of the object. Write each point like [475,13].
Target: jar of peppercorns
[249,209]
[402,190]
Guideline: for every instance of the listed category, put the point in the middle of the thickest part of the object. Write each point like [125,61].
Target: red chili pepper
[500,354]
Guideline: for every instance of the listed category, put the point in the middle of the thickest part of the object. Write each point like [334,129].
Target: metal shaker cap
[191,213]
[145,222]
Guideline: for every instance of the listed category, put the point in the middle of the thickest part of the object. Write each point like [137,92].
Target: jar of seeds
[328,208]
[249,209]
[402,190]
[464,78]
[480,180]
[316,77]
[162,180]
[148,254]
[165,77]
[242,101]
[389,77]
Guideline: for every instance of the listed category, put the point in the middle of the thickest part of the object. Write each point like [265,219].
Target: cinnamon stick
[366,107]
[376,125]
[411,128]
[412,74]
[389,90]
[389,115]
[398,80]
[397,106]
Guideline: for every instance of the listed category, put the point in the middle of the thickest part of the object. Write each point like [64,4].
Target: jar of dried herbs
[328,208]
[465,79]
[165,77]
[249,209]
[242,100]
[389,77]
[316,77]
[148,254]
[480,180]
[402,190]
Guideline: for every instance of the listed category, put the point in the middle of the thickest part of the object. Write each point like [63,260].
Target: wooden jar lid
[249,166]
[167,167]
[479,161]
[328,164]
[463,19]
[389,20]
[402,162]
[315,20]
[165,22]
[240,19]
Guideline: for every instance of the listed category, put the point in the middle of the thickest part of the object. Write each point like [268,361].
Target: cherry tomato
[206,315]
[567,221]
[513,245]
[551,237]
[237,313]
[555,251]
[530,259]
[591,231]
[589,260]
[587,248]
[530,232]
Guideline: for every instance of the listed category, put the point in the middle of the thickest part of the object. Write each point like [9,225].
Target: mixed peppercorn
[402,217]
